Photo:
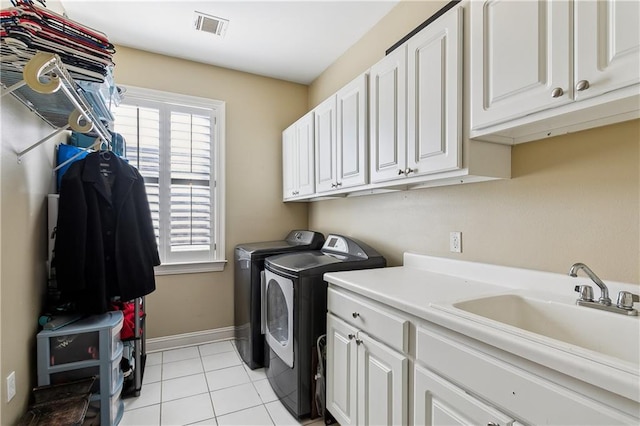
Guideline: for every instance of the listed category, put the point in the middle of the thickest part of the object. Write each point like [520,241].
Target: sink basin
[606,333]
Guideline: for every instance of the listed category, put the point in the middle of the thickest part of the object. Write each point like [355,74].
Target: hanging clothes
[105,243]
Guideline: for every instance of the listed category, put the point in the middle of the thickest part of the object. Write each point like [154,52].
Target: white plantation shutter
[190,181]
[174,146]
[140,128]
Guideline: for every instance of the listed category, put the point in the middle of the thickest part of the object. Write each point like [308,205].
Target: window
[177,144]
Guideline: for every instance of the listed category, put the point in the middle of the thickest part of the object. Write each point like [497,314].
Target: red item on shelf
[128,310]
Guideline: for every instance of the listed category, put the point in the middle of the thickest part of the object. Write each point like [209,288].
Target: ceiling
[289,40]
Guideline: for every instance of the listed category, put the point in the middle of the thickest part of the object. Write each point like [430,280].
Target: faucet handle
[626,299]
[586,292]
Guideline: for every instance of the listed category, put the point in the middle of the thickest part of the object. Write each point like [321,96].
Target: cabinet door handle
[493,424]
[557,92]
[582,85]
[355,315]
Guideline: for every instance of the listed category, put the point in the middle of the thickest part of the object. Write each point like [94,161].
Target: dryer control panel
[337,244]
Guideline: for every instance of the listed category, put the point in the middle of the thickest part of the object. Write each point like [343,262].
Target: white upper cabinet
[325,145]
[542,68]
[434,100]
[416,127]
[607,47]
[298,178]
[341,138]
[520,53]
[404,123]
[352,153]
[387,116]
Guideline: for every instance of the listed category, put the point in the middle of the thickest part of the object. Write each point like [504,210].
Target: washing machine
[249,284]
[296,314]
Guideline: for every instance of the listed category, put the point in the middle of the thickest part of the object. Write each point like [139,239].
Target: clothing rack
[45,86]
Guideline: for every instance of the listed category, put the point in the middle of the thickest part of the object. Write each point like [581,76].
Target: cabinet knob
[400,172]
[358,341]
[355,315]
[407,171]
[582,85]
[493,424]
[338,184]
[351,336]
[334,185]
[557,92]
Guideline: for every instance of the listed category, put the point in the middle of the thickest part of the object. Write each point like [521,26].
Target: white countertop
[426,287]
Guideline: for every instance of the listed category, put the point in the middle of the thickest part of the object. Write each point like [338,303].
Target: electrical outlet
[455,242]
[11,386]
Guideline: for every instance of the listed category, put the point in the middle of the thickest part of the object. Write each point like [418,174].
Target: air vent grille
[210,24]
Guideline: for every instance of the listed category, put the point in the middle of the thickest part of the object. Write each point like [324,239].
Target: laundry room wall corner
[257,110]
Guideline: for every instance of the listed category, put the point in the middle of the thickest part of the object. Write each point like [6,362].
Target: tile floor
[205,385]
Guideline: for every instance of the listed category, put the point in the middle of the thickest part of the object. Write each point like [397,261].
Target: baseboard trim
[156,344]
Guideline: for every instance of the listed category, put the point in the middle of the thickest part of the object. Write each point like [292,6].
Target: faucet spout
[604,296]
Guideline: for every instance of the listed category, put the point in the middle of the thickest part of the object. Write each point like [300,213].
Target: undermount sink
[606,333]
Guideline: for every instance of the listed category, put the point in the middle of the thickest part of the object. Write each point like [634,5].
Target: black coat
[105,244]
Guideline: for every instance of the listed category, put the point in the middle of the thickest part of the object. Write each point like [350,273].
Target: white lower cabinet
[438,402]
[480,387]
[367,380]
[388,367]
[382,383]
[342,365]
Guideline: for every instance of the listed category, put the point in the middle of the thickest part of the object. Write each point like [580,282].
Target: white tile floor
[205,385]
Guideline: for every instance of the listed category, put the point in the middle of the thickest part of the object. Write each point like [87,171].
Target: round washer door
[279,316]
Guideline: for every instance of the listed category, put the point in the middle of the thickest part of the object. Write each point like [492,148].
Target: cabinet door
[305,154]
[607,45]
[387,116]
[325,145]
[438,402]
[520,53]
[341,371]
[434,96]
[382,384]
[352,133]
[289,163]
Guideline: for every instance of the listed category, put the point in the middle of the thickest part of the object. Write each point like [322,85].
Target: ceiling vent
[210,24]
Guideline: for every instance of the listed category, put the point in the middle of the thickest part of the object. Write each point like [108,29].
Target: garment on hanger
[105,243]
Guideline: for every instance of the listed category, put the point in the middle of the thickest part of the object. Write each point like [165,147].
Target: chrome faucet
[625,299]
[604,295]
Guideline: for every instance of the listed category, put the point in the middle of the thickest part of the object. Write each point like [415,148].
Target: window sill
[190,268]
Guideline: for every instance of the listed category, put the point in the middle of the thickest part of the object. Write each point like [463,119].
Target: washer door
[279,316]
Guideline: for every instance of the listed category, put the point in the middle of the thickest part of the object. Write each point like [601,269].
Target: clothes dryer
[249,283]
[296,313]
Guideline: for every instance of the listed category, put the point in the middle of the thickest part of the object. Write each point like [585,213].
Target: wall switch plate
[11,386]
[455,242]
